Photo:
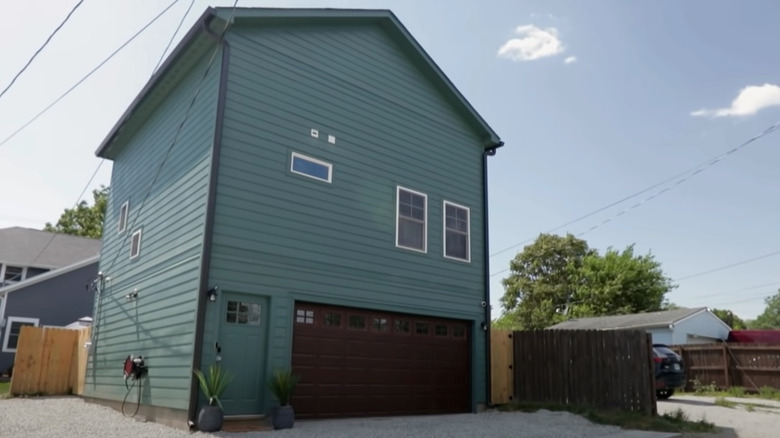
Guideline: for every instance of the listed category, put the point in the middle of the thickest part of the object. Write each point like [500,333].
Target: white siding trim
[398,217]
[444,231]
[6,335]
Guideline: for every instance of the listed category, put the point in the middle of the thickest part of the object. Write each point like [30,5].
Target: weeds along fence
[50,361]
[601,369]
[725,365]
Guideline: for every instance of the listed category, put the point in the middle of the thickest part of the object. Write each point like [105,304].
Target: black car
[669,371]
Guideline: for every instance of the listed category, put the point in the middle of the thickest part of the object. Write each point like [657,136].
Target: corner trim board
[209,225]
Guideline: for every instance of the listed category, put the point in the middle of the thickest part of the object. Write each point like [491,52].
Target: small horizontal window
[311,167]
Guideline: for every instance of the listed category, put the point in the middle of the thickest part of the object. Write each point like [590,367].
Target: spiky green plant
[282,385]
[214,383]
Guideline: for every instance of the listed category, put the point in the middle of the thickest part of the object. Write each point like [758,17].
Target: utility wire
[175,137]
[729,266]
[88,74]
[181,22]
[692,171]
[40,49]
[679,182]
[78,200]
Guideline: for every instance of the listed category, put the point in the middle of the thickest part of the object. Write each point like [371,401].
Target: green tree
[620,283]
[727,316]
[83,220]
[557,278]
[542,280]
[506,321]
[770,318]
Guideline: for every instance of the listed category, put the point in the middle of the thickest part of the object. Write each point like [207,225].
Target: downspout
[489,152]
[208,231]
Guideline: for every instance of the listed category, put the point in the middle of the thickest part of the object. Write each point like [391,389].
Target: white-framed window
[13,328]
[311,167]
[411,220]
[457,232]
[122,225]
[135,244]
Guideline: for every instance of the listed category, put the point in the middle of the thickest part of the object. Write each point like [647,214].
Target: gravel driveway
[737,421]
[71,417]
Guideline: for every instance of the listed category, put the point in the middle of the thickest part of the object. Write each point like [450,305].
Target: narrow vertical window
[135,244]
[457,238]
[123,217]
[412,215]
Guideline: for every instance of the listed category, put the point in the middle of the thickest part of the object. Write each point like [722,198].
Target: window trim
[444,231]
[7,330]
[124,212]
[140,236]
[313,160]
[398,219]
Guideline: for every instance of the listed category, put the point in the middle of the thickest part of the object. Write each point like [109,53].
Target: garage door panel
[357,362]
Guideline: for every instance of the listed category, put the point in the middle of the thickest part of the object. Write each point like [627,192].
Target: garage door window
[421,328]
[357,322]
[380,324]
[303,316]
[459,331]
[441,330]
[332,319]
[402,326]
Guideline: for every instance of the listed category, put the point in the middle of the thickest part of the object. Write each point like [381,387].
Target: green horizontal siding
[160,324]
[289,237]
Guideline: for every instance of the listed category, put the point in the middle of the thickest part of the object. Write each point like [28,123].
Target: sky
[595,101]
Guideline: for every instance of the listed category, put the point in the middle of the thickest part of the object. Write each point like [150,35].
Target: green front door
[242,339]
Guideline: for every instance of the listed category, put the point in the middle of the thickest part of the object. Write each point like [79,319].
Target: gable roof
[635,321]
[49,275]
[200,38]
[28,247]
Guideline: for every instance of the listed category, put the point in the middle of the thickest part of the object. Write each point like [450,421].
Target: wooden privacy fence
[600,369]
[51,361]
[750,366]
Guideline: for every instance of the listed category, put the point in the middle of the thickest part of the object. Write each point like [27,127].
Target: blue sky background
[615,119]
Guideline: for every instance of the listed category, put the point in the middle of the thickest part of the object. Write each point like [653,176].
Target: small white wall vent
[331,139]
[315,133]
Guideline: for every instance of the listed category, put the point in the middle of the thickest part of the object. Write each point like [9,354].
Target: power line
[45,43]
[75,205]
[175,137]
[692,171]
[88,74]
[759,286]
[679,182]
[181,22]
[729,266]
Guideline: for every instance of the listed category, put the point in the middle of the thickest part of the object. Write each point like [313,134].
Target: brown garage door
[356,362]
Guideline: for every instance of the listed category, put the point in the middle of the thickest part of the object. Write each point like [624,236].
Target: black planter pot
[283,417]
[210,419]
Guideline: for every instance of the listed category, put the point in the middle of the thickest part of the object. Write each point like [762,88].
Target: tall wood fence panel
[49,361]
[501,367]
[751,366]
[601,369]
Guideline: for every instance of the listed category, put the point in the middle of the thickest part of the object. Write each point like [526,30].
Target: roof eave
[194,31]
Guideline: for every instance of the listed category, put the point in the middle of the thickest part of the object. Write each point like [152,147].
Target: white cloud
[570,60]
[749,101]
[532,43]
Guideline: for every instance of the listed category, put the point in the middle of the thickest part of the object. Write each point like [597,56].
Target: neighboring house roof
[198,40]
[28,247]
[48,275]
[636,321]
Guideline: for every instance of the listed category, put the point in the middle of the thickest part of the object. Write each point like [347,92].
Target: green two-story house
[304,189]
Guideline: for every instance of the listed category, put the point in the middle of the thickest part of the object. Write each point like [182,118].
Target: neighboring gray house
[670,327]
[56,298]
[25,253]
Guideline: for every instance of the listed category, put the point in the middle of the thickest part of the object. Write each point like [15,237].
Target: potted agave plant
[212,384]
[282,384]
